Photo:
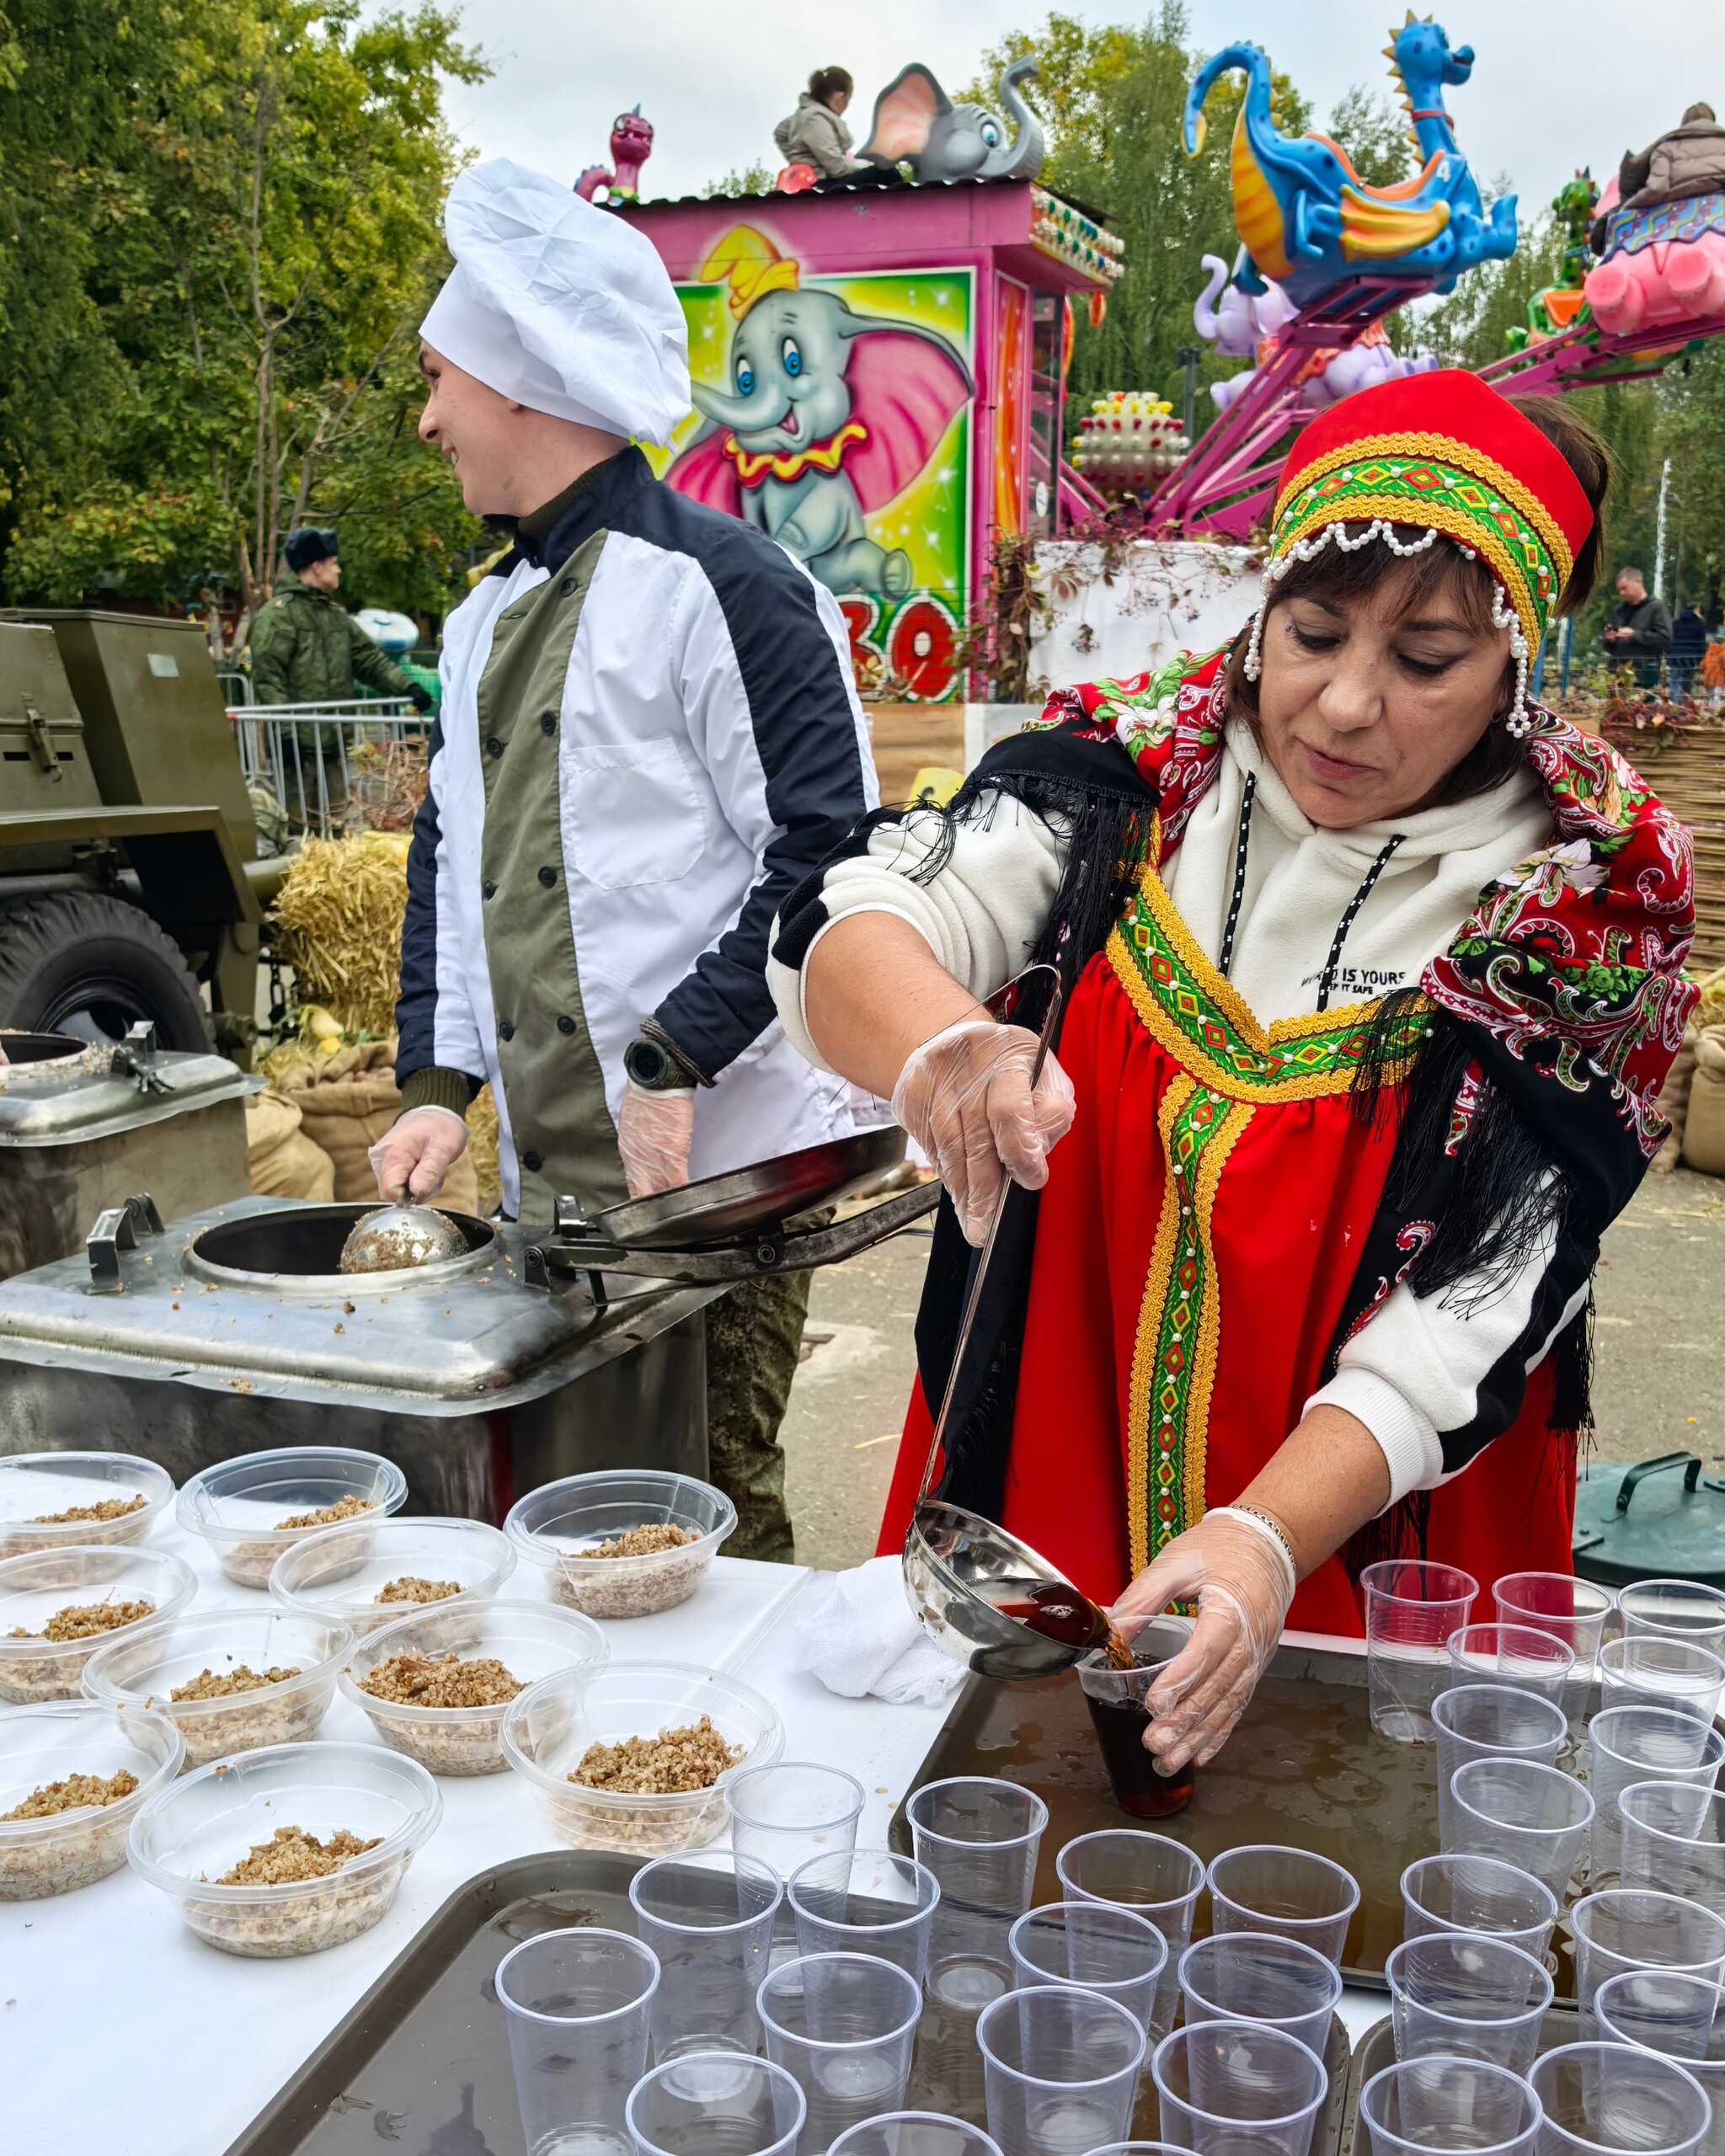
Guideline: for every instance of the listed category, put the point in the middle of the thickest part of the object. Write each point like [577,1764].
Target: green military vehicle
[129,885]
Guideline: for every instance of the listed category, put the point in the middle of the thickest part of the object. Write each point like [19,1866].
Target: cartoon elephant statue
[1238,322]
[1234,320]
[829,415]
[916,123]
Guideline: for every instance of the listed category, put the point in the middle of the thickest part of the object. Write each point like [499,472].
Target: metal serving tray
[1305,1766]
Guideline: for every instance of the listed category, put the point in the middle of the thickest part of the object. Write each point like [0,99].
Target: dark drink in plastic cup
[1115,1697]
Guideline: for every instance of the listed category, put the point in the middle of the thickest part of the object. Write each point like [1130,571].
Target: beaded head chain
[1445,452]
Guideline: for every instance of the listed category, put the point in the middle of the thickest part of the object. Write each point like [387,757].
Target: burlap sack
[284,1162]
[1704,1129]
[1674,1104]
[347,1102]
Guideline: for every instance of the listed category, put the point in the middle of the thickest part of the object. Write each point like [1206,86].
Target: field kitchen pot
[532,1355]
[83,1123]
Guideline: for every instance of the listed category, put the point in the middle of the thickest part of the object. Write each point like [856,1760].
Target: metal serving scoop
[392,1238]
[985,1597]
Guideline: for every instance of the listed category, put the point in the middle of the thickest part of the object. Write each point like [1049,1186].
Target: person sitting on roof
[815,133]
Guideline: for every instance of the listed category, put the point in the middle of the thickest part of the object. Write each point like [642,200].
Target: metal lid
[738,1203]
[94,1090]
[1653,1519]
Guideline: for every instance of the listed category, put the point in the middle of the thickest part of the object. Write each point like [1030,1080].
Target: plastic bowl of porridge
[243,1507]
[231,1680]
[57,1607]
[652,1724]
[487,1653]
[323,1834]
[370,1576]
[51,1499]
[668,1527]
[79,1771]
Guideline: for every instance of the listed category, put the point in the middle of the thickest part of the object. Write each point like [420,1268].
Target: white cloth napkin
[865,1638]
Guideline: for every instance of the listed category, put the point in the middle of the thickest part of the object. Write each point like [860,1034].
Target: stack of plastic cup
[1530,1815]
[1253,1976]
[1114,1952]
[866,1901]
[1632,1927]
[1478,1893]
[1150,1874]
[712,2103]
[1289,1892]
[979,1837]
[915,2133]
[843,2026]
[1571,1610]
[707,1915]
[1678,2016]
[1671,1840]
[1481,1721]
[578,2005]
[1059,2069]
[1448,2104]
[1224,2085]
[1412,1608]
[1675,1610]
[1655,1669]
[1640,1743]
[1459,1995]
[1531,1661]
[1602,2096]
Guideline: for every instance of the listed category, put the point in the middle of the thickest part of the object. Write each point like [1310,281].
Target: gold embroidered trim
[1144,1347]
[1195,1436]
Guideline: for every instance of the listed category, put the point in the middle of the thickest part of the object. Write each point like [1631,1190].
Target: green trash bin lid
[1657,1519]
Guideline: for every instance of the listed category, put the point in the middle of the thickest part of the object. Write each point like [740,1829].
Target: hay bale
[337,920]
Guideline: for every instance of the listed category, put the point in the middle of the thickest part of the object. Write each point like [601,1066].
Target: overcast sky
[1556,83]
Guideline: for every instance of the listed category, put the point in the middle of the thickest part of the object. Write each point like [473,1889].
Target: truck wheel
[78,962]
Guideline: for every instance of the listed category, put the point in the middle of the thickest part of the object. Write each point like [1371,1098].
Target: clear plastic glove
[418,1150]
[654,1131]
[1243,1583]
[965,1096]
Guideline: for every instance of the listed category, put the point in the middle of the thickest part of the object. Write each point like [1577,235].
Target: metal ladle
[962,1572]
[394,1238]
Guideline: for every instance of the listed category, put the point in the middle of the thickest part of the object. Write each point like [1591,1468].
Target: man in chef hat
[648,735]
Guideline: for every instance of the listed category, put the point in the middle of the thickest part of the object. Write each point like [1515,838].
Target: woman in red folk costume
[1374,969]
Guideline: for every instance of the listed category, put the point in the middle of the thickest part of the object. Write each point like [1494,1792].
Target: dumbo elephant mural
[826,417]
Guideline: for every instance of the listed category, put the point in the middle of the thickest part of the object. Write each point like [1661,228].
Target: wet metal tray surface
[1376,2049]
[421,2064]
[1305,1767]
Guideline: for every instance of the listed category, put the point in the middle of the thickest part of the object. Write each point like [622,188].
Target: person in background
[1688,648]
[815,133]
[1638,629]
[307,648]
[1687,162]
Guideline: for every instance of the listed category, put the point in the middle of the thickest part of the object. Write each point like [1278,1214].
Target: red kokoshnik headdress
[1445,452]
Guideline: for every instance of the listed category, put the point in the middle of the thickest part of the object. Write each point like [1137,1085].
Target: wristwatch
[656,1068]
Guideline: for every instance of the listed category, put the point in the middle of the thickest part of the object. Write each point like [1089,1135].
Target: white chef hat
[560,306]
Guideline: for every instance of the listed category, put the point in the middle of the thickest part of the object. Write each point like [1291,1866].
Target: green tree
[1377,137]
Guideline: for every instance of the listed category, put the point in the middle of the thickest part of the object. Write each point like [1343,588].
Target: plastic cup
[1570,1610]
[1671,1840]
[1412,1608]
[1481,1721]
[1230,2086]
[1530,1815]
[1459,1995]
[980,1839]
[578,2005]
[918,2133]
[1677,1610]
[1518,1655]
[1664,2010]
[1116,1953]
[1148,1873]
[1611,2096]
[1448,2104]
[1478,1893]
[1059,2069]
[1117,1701]
[714,2104]
[1660,1671]
[843,2026]
[1253,1976]
[1289,1892]
[1632,1927]
[787,1813]
[1638,1743]
[865,1902]
[707,1916]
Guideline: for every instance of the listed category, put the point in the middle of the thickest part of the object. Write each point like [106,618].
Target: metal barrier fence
[312,758]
